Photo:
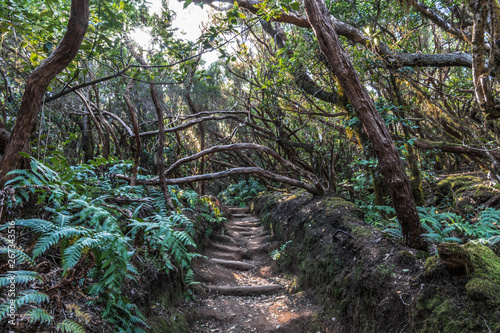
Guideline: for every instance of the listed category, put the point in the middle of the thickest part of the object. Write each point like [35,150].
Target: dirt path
[242,291]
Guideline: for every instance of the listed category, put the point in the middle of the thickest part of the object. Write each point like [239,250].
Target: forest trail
[241,289]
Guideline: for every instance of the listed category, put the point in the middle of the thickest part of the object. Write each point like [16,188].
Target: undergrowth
[442,226]
[99,233]
[242,192]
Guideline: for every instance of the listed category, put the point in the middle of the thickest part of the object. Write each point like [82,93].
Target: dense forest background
[114,156]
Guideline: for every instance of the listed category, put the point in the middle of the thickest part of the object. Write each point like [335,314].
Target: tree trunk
[38,82]
[389,163]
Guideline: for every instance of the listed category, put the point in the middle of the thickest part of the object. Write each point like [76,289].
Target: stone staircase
[240,289]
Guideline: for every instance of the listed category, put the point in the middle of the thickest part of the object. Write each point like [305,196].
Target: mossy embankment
[370,283]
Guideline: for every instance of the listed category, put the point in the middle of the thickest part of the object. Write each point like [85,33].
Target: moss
[483,192]
[431,265]
[485,280]
[459,183]
[455,257]
[362,231]
[335,204]
[175,323]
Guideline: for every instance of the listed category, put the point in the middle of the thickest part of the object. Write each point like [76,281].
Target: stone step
[244,290]
[225,239]
[239,265]
[261,239]
[225,248]
[250,234]
[238,228]
[238,210]
[242,216]
[246,224]
[214,254]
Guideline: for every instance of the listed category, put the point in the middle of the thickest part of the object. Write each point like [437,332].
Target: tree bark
[389,163]
[135,126]
[160,163]
[38,82]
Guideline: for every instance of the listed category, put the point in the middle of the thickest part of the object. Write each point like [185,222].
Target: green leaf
[187,3]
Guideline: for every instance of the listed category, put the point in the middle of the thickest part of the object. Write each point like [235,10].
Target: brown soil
[241,290]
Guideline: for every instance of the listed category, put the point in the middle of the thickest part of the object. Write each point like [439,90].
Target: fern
[69,326]
[20,256]
[79,313]
[82,224]
[19,277]
[39,315]
[24,297]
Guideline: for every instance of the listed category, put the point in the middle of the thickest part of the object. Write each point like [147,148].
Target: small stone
[278,327]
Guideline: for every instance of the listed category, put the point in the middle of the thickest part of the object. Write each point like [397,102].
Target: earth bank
[368,282]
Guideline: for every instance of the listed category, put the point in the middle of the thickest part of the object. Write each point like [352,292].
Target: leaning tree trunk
[38,82]
[389,163]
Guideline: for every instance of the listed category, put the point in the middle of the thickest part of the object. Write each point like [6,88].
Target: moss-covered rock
[468,190]
[455,258]
[484,283]
[459,303]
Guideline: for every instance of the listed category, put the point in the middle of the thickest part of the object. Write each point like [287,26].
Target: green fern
[69,326]
[24,297]
[39,315]
[19,277]
[21,257]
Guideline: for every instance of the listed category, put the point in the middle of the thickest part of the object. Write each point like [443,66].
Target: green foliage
[39,315]
[69,326]
[19,277]
[82,224]
[279,253]
[443,227]
[239,194]
[24,297]
[440,227]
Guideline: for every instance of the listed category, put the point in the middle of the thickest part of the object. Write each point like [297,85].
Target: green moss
[485,280]
[175,323]
[482,191]
[459,183]
[431,265]
[362,231]
[333,203]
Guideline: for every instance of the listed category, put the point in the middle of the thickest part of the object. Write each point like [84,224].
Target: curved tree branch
[255,171]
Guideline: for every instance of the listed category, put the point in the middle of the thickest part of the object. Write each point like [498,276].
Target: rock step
[243,228]
[239,265]
[225,248]
[242,216]
[244,290]
[246,224]
[260,239]
[225,239]
[223,255]
[250,234]
[238,210]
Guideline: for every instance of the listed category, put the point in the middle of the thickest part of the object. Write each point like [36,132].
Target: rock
[455,258]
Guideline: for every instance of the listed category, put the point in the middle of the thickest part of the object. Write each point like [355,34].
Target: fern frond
[69,326]
[21,257]
[19,277]
[79,313]
[39,315]
[24,297]
[53,238]
[38,225]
